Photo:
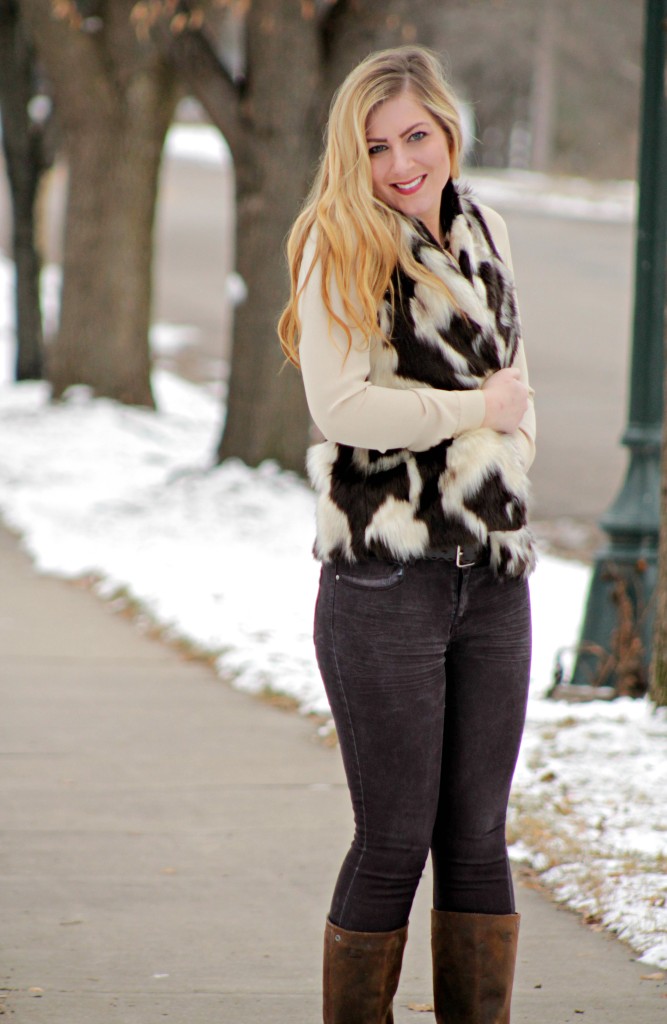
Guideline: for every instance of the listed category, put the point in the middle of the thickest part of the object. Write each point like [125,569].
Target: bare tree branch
[70,48]
[196,61]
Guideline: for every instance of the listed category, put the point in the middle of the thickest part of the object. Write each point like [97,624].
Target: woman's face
[410,161]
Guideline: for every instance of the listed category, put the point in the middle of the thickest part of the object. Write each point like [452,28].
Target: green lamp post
[615,640]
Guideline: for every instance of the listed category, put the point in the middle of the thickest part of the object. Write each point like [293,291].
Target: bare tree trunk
[105,312]
[194,57]
[273,126]
[267,414]
[543,98]
[115,99]
[295,64]
[355,28]
[26,160]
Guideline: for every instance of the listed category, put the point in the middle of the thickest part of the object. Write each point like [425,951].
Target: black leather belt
[463,555]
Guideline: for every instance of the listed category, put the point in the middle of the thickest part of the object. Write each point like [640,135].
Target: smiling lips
[406,188]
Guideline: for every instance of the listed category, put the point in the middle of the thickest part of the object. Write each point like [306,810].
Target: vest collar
[450,207]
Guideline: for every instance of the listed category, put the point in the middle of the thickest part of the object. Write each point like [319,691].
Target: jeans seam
[356,757]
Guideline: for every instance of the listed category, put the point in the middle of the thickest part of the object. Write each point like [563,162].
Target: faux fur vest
[404,505]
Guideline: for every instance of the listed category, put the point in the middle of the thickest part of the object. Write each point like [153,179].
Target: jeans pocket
[375,575]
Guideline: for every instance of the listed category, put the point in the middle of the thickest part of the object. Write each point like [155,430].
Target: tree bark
[105,312]
[273,126]
[26,161]
[267,416]
[114,112]
[543,90]
[196,61]
[294,65]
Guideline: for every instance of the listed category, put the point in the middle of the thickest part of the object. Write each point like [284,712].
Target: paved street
[574,280]
[169,845]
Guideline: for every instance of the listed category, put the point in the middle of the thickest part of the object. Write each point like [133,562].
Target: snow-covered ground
[219,558]
[555,195]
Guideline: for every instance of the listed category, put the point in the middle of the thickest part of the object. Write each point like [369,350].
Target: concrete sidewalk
[170,845]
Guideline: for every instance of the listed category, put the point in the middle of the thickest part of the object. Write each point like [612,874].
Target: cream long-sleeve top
[350,410]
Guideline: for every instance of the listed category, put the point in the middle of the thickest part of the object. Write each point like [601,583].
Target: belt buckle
[459,556]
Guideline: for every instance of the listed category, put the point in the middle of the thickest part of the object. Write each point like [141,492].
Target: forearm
[348,409]
[527,428]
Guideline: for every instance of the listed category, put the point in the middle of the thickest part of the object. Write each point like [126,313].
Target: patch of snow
[555,196]
[7,344]
[167,339]
[201,143]
[220,556]
[236,288]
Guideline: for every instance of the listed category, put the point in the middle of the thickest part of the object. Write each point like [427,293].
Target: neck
[439,225]
[435,229]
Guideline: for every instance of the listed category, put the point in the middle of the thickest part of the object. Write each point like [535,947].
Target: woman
[404,321]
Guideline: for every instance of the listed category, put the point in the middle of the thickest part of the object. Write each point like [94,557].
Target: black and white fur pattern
[403,504]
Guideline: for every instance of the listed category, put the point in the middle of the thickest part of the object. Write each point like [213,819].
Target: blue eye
[376,149]
[418,136]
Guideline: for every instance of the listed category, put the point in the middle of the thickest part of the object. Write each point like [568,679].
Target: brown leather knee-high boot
[361,972]
[473,966]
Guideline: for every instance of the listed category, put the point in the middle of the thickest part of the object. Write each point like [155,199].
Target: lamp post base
[613,653]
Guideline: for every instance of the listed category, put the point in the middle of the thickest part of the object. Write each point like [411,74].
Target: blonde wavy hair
[358,237]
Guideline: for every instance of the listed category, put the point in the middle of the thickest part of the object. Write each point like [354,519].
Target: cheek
[440,157]
[376,177]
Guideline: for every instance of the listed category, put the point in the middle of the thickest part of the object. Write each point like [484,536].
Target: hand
[506,398]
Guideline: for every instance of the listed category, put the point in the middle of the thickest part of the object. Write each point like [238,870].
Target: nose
[401,163]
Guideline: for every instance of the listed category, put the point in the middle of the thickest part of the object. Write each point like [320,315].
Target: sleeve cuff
[526,448]
[472,410]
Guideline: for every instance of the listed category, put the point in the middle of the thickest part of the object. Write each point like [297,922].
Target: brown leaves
[408,30]
[146,13]
[179,23]
[66,10]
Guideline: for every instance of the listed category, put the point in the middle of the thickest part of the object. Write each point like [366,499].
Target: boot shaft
[361,972]
[473,966]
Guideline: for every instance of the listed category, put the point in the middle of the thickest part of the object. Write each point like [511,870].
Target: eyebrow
[402,135]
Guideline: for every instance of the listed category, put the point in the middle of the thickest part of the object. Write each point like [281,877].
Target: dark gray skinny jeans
[426,669]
